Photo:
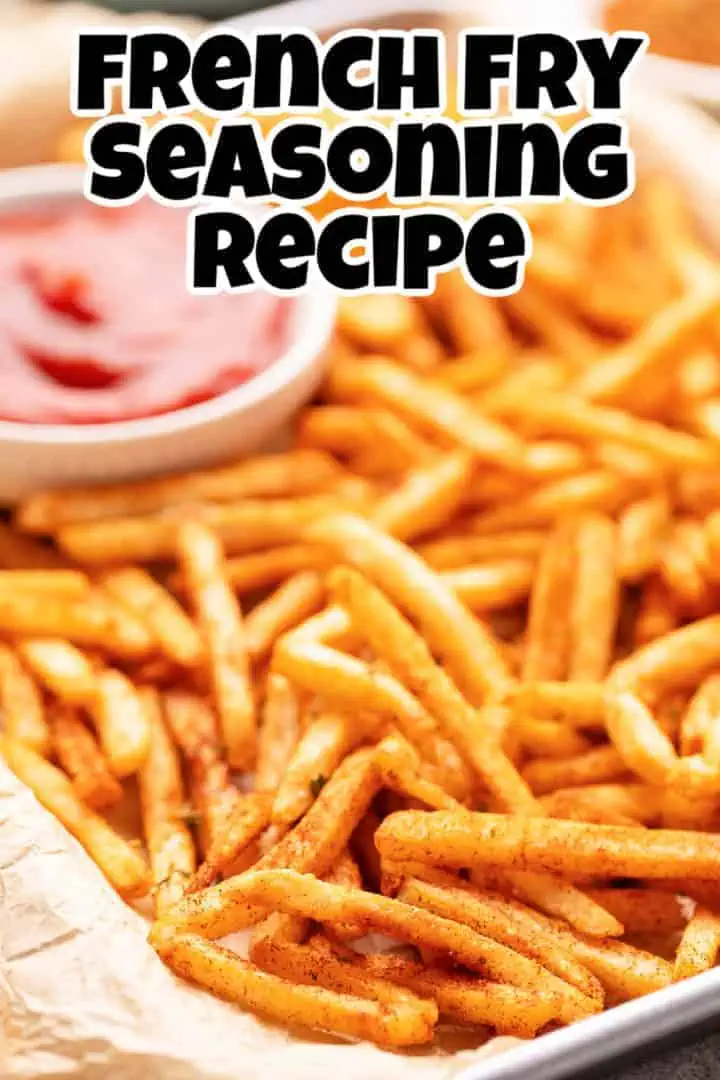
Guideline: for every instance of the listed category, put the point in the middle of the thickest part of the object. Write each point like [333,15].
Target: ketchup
[97,325]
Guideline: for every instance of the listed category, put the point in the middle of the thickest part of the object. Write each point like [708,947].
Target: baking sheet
[81,994]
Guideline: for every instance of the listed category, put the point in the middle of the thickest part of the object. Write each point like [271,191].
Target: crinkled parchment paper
[82,995]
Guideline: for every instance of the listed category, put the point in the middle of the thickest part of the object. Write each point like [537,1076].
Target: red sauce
[96,323]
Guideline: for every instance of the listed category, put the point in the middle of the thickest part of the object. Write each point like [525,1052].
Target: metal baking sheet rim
[635,1025]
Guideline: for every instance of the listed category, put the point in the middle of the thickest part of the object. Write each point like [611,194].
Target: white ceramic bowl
[35,456]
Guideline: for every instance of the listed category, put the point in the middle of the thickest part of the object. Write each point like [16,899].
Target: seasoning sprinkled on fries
[444,670]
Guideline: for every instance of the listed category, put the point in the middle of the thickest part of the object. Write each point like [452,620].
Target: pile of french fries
[447,670]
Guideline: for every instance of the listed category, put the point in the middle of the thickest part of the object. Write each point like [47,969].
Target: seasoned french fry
[609,804]
[699,946]
[302,894]
[495,917]
[548,738]
[470,651]
[428,498]
[295,473]
[168,839]
[403,771]
[79,754]
[641,528]
[278,733]
[496,585]
[321,748]
[294,601]
[457,551]
[20,552]
[195,730]
[431,407]
[121,722]
[581,705]
[261,569]
[675,659]
[145,598]
[643,911]
[469,1000]
[596,600]
[600,489]
[393,638]
[122,866]
[244,526]
[352,684]
[62,669]
[224,973]
[21,704]
[640,367]
[642,745]
[547,844]
[657,613]
[221,621]
[243,824]
[54,583]
[85,621]
[548,639]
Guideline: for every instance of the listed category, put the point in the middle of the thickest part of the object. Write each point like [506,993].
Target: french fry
[557,414]
[643,746]
[22,704]
[581,705]
[595,601]
[345,872]
[146,599]
[169,843]
[547,844]
[79,754]
[352,684]
[195,730]
[322,746]
[61,668]
[470,652]
[244,526]
[643,911]
[225,974]
[457,551]
[676,659]
[641,528]
[548,639]
[313,846]
[403,771]
[279,732]
[294,601]
[121,722]
[495,917]
[493,586]
[54,583]
[20,552]
[471,320]
[393,638]
[548,738]
[302,894]
[428,498]
[598,489]
[643,364]
[431,407]
[699,945]
[122,866]
[358,433]
[243,824]
[83,621]
[297,472]
[221,622]
[469,1000]
[610,804]
[261,569]
[657,614]
[315,965]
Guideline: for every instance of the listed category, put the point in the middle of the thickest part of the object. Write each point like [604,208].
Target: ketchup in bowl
[97,325]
